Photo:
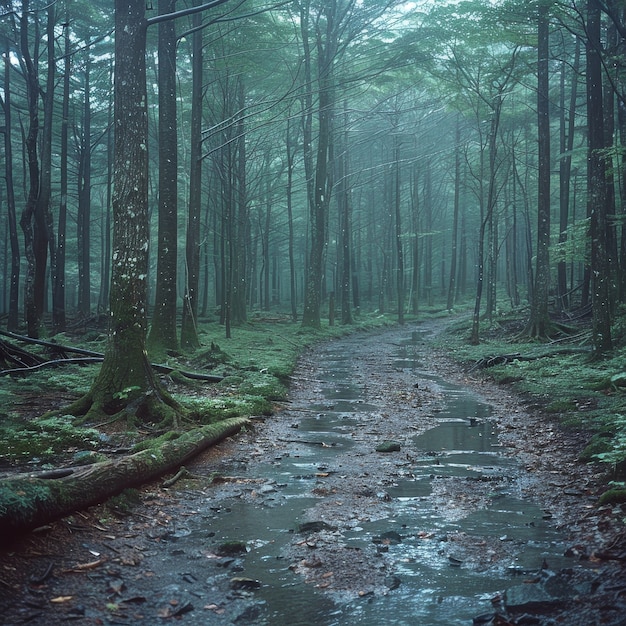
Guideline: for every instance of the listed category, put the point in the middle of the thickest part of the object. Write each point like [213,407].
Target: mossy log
[28,501]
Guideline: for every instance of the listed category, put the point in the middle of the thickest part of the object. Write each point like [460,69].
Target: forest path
[302,520]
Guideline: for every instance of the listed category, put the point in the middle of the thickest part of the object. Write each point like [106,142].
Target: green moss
[156,442]
[616,495]
[24,498]
[599,444]
[45,437]
[560,406]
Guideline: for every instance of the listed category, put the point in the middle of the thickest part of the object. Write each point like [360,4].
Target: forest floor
[132,560]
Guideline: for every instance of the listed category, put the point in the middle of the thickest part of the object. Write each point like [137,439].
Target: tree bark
[31,221]
[162,334]
[14,286]
[58,280]
[539,324]
[189,329]
[126,381]
[84,202]
[600,274]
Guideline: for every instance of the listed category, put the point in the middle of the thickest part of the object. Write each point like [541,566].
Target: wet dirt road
[388,490]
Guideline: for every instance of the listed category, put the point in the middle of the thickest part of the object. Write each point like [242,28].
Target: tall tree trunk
[318,211]
[241,239]
[398,231]
[455,216]
[126,384]
[32,222]
[189,330]
[84,202]
[162,334]
[58,283]
[600,271]
[486,215]
[105,284]
[539,324]
[565,168]
[14,285]
[289,192]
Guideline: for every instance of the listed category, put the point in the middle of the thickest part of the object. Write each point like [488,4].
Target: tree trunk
[398,232]
[126,383]
[31,221]
[539,324]
[14,285]
[58,282]
[289,192]
[163,330]
[455,217]
[189,330]
[600,273]
[84,202]
[318,210]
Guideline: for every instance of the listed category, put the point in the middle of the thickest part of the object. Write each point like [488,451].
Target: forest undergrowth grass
[255,364]
[561,379]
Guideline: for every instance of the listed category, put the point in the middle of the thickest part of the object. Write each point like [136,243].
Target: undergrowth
[255,364]
[561,378]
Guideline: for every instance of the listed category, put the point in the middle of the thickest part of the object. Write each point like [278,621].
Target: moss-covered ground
[559,376]
[255,364]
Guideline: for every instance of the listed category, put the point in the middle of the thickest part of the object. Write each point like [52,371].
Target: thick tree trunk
[30,221]
[126,381]
[31,500]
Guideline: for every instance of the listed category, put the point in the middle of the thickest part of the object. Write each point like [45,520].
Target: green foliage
[585,393]
[45,438]
[24,498]
[599,444]
[576,246]
[616,454]
[616,495]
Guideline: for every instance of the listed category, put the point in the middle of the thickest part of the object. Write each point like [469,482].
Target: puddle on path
[443,560]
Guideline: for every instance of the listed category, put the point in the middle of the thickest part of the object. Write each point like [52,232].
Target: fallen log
[505,359]
[30,500]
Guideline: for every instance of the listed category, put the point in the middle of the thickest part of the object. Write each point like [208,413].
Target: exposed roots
[154,407]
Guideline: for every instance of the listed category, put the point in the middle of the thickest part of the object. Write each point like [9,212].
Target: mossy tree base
[128,388]
[28,501]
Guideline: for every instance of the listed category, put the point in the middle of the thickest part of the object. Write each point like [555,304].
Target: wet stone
[241,583]
[390,538]
[388,446]
[231,548]
[314,527]
[529,597]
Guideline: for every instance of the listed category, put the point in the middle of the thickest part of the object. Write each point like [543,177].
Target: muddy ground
[115,564]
